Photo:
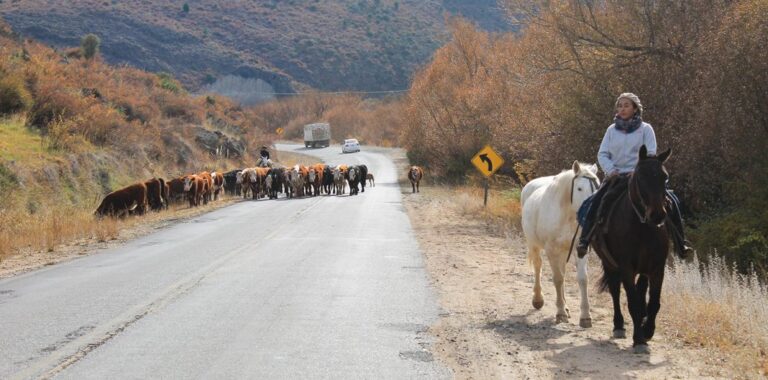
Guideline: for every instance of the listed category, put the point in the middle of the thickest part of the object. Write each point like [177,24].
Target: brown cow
[369,177]
[207,186]
[155,193]
[194,186]
[415,174]
[218,184]
[165,192]
[317,181]
[121,202]
[176,189]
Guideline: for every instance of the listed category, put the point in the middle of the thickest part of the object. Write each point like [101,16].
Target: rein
[592,187]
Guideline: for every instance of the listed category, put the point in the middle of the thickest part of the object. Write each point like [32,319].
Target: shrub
[14,96]
[89,45]
[168,83]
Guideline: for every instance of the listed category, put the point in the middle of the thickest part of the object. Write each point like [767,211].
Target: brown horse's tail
[604,282]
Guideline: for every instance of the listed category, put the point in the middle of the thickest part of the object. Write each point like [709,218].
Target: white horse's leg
[585,320]
[534,256]
[557,263]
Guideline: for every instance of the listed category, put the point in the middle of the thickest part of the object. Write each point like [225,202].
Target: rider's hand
[613,173]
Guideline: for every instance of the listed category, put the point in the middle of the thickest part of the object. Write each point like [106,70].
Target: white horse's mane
[564,180]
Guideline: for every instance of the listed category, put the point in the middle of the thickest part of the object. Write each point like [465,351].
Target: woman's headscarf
[634,99]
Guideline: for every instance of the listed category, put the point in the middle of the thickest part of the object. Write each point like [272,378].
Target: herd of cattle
[257,182]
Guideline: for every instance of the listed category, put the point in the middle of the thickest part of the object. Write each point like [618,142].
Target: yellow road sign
[279,131]
[487,161]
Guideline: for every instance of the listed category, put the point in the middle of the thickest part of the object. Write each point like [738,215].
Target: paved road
[323,287]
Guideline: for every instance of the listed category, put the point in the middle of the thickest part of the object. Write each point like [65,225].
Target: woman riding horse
[618,157]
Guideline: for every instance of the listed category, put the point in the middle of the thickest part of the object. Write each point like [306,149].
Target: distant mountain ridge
[369,45]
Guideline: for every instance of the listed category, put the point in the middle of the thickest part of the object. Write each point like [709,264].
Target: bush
[89,45]
[168,83]
[14,96]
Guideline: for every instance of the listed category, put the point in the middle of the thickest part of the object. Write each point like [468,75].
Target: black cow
[274,181]
[353,178]
[230,182]
[327,179]
[363,175]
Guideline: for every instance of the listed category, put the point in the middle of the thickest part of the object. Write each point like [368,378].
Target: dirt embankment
[490,330]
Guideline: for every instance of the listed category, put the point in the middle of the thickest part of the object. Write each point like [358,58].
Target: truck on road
[317,134]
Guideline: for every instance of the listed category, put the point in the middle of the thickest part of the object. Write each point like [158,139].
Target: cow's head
[239,178]
[352,173]
[312,175]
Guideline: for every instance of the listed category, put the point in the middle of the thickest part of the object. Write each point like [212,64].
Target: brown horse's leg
[654,303]
[614,286]
[635,310]
[642,290]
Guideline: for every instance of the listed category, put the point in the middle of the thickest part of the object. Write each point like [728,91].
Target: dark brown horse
[633,246]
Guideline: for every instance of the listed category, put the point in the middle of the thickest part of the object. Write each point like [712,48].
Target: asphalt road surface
[316,287]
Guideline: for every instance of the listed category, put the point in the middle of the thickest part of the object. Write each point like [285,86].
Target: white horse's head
[584,183]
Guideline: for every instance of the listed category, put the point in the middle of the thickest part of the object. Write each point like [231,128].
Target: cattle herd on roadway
[256,182]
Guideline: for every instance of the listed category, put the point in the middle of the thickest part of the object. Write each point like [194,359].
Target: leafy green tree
[185,8]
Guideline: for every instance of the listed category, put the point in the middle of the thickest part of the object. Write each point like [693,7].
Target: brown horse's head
[647,187]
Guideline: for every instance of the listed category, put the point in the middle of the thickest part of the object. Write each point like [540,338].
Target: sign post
[487,161]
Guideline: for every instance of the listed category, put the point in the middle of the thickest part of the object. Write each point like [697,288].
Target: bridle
[633,183]
[592,184]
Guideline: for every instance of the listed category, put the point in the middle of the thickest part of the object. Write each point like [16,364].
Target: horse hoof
[538,304]
[585,322]
[561,319]
[641,349]
[619,334]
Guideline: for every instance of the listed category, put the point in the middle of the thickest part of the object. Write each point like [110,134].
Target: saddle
[617,186]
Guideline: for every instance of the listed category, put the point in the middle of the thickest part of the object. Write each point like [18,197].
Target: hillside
[340,45]
[72,130]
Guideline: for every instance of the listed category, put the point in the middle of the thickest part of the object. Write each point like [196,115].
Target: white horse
[549,206]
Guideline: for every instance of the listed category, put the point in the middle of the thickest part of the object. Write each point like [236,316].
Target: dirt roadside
[488,328]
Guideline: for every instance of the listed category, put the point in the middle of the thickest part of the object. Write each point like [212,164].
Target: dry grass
[502,211]
[59,227]
[713,306]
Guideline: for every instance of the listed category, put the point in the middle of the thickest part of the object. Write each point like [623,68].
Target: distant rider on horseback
[265,162]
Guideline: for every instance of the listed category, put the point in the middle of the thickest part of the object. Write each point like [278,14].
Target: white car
[350,145]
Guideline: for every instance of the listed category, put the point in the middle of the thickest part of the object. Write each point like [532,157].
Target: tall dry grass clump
[712,305]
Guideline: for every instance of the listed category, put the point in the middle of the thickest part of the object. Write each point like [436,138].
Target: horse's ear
[664,155]
[643,152]
[592,168]
[576,167]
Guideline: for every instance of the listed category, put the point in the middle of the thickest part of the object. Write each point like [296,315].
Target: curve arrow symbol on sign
[484,158]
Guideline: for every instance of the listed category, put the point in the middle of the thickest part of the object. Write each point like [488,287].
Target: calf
[369,177]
